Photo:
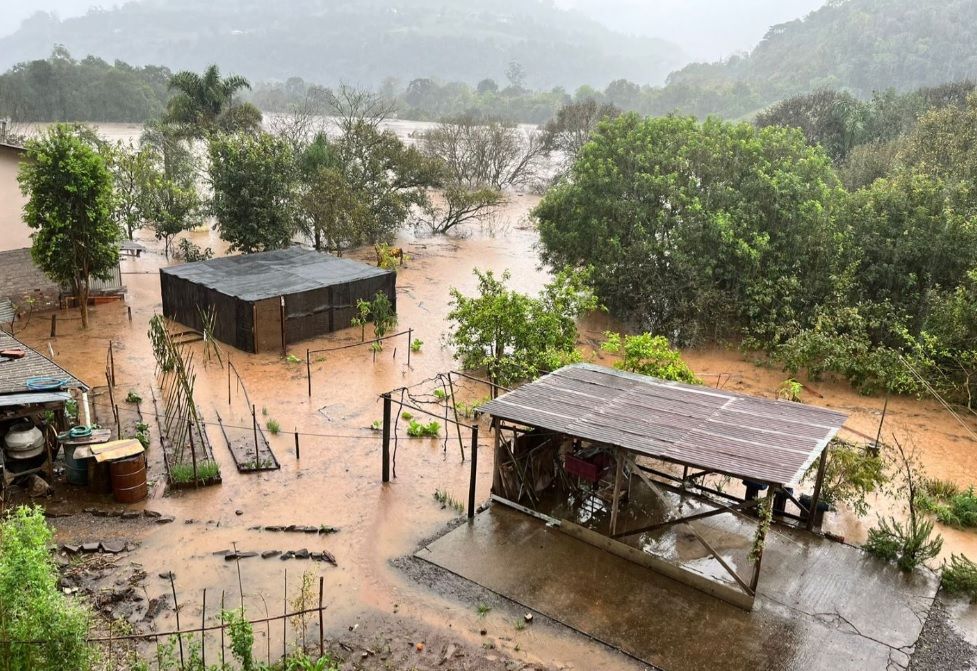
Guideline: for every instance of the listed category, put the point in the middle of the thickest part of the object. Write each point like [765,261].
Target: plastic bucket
[77,470]
[129,479]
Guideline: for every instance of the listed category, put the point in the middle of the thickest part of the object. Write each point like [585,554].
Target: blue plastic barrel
[77,470]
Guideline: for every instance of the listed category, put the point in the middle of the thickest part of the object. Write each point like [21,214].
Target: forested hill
[357,41]
[856,45]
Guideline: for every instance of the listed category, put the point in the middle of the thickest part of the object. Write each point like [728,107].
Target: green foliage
[440,394]
[686,242]
[241,634]
[190,252]
[851,474]
[32,606]
[291,358]
[909,545]
[382,315]
[70,207]
[377,425]
[406,416]
[133,397]
[959,576]
[254,182]
[203,104]
[448,501]
[273,427]
[790,390]
[416,429]
[416,344]
[142,434]
[649,355]
[765,512]
[483,609]
[302,662]
[181,474]
[515,336]
[957,510]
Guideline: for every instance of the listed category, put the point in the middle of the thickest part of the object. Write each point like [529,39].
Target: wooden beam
[616,498]
[529,511]
[816,496]
[691,518]
[756,567]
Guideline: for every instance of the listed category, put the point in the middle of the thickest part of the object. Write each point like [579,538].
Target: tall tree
[70,203]
[205,103]
[254,181]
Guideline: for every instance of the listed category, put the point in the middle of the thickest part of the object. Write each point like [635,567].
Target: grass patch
[960,577]
[133,397]
[273,427]
[950,504]
[448,501]
[440,394]
[483,609]
[416,344]
[183,473]
[291,358]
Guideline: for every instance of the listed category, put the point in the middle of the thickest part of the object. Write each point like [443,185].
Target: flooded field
[336,481]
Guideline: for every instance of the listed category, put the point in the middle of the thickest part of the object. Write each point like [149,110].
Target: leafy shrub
[142,434]
[440,394]
[190,252]
[273,426]
[960,577]
[790,390]
[908,546]
[851,474]
[242,637]
[960,510]
[649,355]
[31,605]
[417,429]
[133,397]
[416,344]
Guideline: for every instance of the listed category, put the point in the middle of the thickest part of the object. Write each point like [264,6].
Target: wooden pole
[228,383]
[254,426]
[176,607]
[193,453]
[129,310]
[410,340]
[296,443]
[308,370]
[112,362]
[222,630]
[816,496]
[386,437]
[755,580]
[118,422]
[616,501]
[285,619]
[474,472]
[322,645]
[54,326]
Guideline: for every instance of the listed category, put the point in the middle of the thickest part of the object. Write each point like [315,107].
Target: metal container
[23,441]
[129,479]
[77,470]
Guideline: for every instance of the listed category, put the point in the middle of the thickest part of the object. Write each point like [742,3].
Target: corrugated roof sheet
[14,373]
[254,277]
[10,400]
[739,435]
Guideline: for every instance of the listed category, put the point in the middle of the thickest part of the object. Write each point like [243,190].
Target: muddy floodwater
[336,481]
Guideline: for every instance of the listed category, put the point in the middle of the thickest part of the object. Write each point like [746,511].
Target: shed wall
[234,322]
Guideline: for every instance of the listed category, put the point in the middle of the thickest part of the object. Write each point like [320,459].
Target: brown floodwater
[337,480]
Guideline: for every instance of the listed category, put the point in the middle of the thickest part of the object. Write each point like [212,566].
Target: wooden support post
[176,607]
[129,310]
[228,382]
[410,339]
[322,645]
[193,453]
[386,437]
[816,496]
[755,580]
[254,426]
[616,500]
[118,422]
[284,337]
[474,472]
[222,630]
[308,369]
[112,362]
[296,443]
[285,619]
[54,326]
[203,633]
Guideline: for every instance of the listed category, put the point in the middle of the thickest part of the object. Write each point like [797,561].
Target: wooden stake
[296,443]
[816,496]
[193,453]
[285,619]
[386,438]
[254,425]
[474,473]
[322,645]
[308,369]
[222,630]
[410,342]
[203,635]
[616,500]
[176,607]
[54,326]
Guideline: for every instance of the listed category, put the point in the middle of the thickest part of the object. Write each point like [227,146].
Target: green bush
[960,577]
[416,344]
[273,426]
[908,546]
[31,605]
[960,510]
[649,355]
[417,429]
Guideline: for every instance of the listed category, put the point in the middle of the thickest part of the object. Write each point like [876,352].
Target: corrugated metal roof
[7,312]
[254,277]
[10,400]
[15,372]
[739,435]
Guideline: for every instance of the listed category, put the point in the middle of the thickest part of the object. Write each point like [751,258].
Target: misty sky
[706,29]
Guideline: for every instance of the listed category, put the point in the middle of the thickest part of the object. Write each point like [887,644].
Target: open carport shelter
[266,301]
[585,446]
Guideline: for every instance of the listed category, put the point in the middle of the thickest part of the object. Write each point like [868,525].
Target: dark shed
[267,300]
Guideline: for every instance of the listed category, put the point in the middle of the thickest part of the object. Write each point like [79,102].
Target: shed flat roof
[735,434]
[255,277]
[14,373]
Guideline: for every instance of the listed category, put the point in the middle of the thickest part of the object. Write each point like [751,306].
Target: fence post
[308,369]
[296,442]
[474,466]
[54,326]
[410,341]
[203,633]
[223,664]
[386,437]
[176,607]
[322,647]
[254,425]
[193,453]
[112,362]
[285,619]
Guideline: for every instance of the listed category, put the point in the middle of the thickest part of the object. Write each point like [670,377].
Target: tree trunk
[83,302]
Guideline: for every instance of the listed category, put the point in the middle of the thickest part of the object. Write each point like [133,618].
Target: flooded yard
[335,482]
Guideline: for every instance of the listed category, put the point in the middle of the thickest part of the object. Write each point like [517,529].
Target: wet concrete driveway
[820,605]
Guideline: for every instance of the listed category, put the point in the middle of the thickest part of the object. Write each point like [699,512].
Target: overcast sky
[706,29]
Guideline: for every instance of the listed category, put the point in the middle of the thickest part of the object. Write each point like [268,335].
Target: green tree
[695,229]
[32,606]
[254,182]
[649,355]
[70,205]
[514,336]
[205,103]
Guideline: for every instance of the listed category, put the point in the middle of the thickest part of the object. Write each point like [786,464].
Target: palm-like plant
[203,101]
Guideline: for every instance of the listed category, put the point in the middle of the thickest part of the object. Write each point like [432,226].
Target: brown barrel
[129,479]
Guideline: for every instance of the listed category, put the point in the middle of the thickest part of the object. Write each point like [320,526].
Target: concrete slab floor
[821,605]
